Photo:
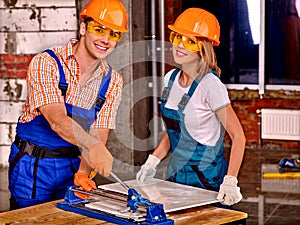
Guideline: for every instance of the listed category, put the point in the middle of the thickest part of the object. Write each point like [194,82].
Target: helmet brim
[189,33]
[106,24]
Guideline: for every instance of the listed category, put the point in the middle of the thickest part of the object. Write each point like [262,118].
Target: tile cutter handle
[119,180]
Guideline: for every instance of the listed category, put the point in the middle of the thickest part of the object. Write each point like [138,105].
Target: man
[73,96]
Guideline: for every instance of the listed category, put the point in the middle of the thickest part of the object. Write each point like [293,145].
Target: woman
[196,109]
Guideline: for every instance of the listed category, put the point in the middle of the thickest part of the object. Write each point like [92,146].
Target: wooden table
[47,213]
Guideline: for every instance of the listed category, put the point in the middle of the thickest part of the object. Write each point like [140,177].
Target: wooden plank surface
[206,215]
[47,213]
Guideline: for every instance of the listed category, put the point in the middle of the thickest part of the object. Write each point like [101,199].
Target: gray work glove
[229,192]
[148,170]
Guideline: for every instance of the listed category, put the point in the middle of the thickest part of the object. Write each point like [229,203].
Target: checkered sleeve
[107,116]
[42,81]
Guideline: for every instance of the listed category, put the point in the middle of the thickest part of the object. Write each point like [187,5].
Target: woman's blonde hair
[208,59]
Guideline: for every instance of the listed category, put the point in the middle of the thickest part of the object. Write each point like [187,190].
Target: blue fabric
[39,132]
[85,117]
[53,177]
[186,152]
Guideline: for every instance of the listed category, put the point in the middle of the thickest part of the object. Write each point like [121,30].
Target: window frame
[261,86]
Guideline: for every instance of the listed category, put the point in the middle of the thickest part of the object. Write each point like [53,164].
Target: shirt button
[215,179]
[214,164]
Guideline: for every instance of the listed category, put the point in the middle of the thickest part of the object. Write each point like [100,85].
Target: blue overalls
[191,163]
[41,164]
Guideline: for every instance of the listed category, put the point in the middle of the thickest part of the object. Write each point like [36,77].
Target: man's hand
[81,179]
[100,159]
[229,192]
[148,170]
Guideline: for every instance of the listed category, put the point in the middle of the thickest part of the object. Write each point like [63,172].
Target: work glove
[229,192]
[84,182]
[148,170]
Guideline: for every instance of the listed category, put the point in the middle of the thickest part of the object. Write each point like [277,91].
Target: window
[282,42]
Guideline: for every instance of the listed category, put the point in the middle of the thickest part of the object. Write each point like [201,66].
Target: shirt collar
[68,53]
[103,66]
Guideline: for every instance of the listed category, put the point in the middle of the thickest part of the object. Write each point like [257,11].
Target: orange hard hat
[109,13]
[199,23]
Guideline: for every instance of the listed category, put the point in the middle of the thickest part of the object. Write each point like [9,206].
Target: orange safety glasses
[188,43]
[99,30]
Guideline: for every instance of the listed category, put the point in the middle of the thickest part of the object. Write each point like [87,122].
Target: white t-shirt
[201,120]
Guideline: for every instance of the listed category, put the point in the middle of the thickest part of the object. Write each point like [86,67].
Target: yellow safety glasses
[99,30]
[188,43]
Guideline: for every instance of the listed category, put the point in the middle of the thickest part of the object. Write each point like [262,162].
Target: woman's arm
[233,126]
[163,148]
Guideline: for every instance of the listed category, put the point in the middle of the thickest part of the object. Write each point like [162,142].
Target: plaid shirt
[43,79]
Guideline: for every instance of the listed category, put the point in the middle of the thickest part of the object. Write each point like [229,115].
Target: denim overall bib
[41,163]
[191,162]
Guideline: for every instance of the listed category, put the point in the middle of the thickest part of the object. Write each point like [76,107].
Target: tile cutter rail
[115,207]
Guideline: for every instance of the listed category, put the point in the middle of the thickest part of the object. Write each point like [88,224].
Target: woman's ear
[83,28]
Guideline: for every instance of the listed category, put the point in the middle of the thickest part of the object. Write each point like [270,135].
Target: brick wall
[247,104]
[26,28]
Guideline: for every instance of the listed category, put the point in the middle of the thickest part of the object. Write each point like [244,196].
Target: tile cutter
[115,207]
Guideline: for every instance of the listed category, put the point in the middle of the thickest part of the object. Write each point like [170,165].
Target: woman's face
[185,49]
[183,56]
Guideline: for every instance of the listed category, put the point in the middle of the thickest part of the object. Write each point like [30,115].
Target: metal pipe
[162,35]
[261,63]
[154,72]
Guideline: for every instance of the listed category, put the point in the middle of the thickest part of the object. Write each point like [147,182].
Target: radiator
[282,124]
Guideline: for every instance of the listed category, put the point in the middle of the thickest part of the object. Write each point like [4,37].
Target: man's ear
[82,29]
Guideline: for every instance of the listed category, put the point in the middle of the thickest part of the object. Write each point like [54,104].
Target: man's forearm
[66,127]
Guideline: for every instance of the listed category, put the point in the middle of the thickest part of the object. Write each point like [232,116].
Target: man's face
[98,40]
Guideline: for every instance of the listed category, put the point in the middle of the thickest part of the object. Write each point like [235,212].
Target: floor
[279,208]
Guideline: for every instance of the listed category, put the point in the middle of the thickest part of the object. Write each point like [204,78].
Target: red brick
[21,74]
[23,58]
[288,104]
[7,58]
[265,103]
[21,66]
[249,123]
[241,103]
[251,137]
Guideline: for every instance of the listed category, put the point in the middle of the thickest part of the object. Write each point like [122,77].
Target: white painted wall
[28,27]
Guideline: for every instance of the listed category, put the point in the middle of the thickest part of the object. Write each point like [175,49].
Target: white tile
[10,112]
[3,37]
[18,20]
[31,43]
[58,19]
[7,133]
[4,153]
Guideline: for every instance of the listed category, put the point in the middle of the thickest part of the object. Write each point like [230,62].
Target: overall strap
[186,97]
[214,73]
[167,89]
[63,86]
[102,90]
